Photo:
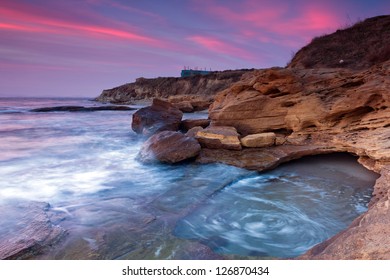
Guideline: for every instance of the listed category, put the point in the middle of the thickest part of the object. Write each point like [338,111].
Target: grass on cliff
[362,45]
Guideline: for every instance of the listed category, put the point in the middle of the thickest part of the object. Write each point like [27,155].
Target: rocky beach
[332,97]
[205,143]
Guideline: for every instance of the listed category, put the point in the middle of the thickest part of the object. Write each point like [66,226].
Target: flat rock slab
[260,159]
[259,140]
[81,109]
[26,230]
[219,137]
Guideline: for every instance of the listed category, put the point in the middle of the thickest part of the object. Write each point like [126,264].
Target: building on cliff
[187,72]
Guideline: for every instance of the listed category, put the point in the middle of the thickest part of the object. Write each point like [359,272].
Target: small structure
[187,72]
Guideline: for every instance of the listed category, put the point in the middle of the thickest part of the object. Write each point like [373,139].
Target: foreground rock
[169,147]
[160,116]
[26,230]
[219,137]
[317,111]
[82,109]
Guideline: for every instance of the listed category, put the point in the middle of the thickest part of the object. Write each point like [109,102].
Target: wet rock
[184,106]
[160,116]
[259,140]
[26,230]
[190,123]
[169,147]
[82,109]
[260,159]
[193,131]
[219,137]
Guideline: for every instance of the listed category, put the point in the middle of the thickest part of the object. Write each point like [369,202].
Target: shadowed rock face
[158,117]
[317,111]
[26,230]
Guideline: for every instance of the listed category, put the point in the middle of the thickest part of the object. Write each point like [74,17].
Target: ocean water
[113,207]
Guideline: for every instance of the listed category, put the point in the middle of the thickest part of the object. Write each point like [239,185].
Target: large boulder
[169,147]
[222,137]
[160,116]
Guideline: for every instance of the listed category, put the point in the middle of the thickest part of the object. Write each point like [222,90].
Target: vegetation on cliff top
[362,45]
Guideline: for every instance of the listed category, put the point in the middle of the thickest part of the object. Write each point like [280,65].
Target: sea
[112,206]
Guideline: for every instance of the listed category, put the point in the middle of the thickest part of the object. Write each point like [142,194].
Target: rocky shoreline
[258,120]
[304,112]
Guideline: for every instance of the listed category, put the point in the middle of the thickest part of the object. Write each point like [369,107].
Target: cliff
[360,46]
[320,110]
[199,87]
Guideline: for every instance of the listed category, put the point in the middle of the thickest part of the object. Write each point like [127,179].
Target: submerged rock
[221,137]
[26,230]
[160,116]
[169,147]
[82,109]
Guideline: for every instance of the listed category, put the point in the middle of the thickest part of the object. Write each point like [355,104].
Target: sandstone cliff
[196,87]
[318,111]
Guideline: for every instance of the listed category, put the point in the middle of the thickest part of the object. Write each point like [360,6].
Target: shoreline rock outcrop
[160,116]
[317,111]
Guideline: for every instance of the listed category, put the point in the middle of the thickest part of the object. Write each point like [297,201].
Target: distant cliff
[199,87]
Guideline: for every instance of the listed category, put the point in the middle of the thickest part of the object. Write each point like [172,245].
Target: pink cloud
[218,46]
[270,20]
[22,21]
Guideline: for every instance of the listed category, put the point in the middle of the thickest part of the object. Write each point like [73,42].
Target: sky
[77,48]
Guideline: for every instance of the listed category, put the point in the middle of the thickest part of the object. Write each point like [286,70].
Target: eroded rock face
[316,111]
[26,230]
[169,147]
[337,107]
[160,116]
[219,137]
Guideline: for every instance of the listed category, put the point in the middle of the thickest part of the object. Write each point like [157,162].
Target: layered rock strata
[195,91]
[315,111]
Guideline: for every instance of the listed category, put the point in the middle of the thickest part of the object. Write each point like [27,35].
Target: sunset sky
[77,48]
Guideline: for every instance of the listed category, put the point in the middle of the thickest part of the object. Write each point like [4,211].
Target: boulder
[160,116]
[259,140]
[169,147]
[184,106]
[193,131]
[190,123]
[219,137]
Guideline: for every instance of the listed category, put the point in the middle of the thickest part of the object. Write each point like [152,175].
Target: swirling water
[112,206]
